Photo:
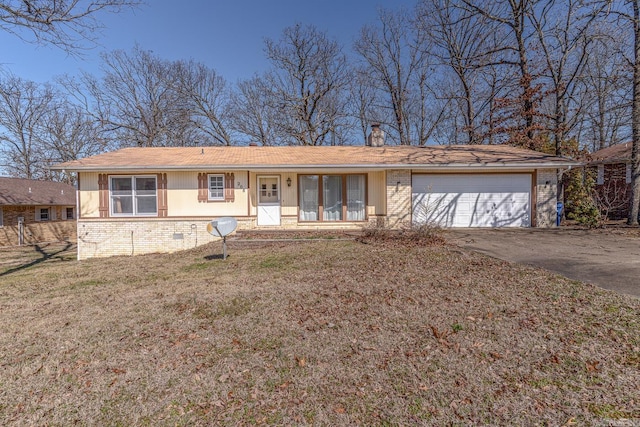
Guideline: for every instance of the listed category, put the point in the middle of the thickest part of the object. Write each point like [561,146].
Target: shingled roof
[615,154]
[308,157]
[19,191]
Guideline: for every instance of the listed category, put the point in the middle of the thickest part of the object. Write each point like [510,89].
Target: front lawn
[313,332]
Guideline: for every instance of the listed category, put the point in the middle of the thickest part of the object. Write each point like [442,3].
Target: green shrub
[579,201]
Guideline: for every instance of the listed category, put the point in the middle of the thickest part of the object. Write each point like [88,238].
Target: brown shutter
[202,187]
[162,195]
[103,195]
[229,192]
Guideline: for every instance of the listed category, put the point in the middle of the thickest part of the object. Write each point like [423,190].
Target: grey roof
[20,191]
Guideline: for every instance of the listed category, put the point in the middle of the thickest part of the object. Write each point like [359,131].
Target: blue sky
[225,35]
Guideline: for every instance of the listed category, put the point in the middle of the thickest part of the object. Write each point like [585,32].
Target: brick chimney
[376,137]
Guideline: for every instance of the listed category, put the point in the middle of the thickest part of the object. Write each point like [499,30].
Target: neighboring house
[611,169]
[141,200]
[34,211]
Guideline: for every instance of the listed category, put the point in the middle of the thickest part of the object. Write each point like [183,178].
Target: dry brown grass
[317,332]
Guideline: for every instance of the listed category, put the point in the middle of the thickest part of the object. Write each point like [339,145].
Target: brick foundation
[104,238]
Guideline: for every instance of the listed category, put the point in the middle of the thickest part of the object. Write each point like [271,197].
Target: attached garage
[472,200]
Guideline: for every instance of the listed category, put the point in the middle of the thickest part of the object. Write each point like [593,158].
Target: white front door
[268,200]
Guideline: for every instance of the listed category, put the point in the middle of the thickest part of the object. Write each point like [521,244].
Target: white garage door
[475,200]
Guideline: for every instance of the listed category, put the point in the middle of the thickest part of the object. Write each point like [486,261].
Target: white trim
[217,175]
[627,178]
[268,213]
[134,200]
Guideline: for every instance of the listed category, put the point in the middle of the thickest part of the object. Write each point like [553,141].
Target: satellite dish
[222,228]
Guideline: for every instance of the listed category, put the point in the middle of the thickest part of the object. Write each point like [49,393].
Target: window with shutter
[134,195]
[202,187]
[43,214]
[103,195]
[229,192]
[163,210]
[216,187]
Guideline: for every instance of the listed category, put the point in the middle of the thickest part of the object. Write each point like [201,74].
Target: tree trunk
[635,119]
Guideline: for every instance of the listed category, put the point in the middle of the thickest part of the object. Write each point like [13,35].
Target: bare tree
[407,92]
[362,103]
[207,98]
[307,84]
[68,134]
[391,61]
[629,12]
[252,113]
[564,40]
[23,106]
[461,43]
[68,24]
[135,102]
[521,112]
[604,96]
[626,15]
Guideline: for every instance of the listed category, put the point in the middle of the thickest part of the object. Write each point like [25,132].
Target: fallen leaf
[592,366]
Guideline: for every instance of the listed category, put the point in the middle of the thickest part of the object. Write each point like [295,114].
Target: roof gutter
[288,167]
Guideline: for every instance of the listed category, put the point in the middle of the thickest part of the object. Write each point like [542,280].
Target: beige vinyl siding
[253,196]
[377,191]
[89,195]
[289,194]
[182,196]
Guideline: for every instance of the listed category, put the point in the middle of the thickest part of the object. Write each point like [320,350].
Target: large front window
[133,195]
[322,197]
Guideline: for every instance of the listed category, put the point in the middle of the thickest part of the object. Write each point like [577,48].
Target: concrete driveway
[602,257]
